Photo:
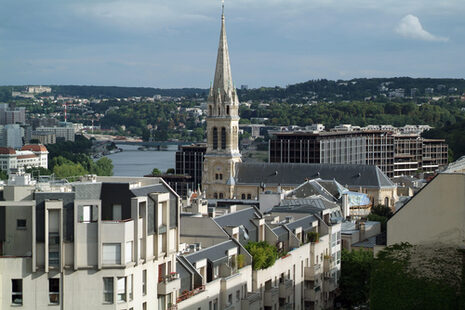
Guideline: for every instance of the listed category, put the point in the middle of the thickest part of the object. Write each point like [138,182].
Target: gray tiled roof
[310,188]
[292,174]
[241,217]
[214,253]
[144,191]
[305,223]
[313,204]
[87,190]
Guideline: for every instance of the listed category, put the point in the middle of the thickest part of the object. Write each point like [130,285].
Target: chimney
[345,206]
[362,231]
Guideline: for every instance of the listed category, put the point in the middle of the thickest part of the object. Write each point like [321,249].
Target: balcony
[252,301]
[188,294]
[271,297]
[311,273]
[117,231]
[169,284]
[327,264]
[312,294]
[286,288]
[329,285]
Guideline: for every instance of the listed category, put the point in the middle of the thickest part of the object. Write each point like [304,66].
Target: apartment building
[303,277]
[10,115]
[394,153]
[102,243]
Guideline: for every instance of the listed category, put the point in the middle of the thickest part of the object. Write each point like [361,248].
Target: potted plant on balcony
[313,236]
[240,261]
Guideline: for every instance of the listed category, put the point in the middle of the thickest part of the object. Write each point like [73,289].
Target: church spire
[223,80]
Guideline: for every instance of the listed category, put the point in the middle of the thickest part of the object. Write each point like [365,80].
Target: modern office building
[395,154]
[102,243]
[189,161]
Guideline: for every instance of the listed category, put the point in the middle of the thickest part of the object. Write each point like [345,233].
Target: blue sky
[166,43]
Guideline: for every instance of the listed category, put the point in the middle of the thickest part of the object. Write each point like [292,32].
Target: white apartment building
[305,276]
[103,243]
[32,155]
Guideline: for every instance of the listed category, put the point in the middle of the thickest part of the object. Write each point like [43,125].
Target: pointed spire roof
[223,79]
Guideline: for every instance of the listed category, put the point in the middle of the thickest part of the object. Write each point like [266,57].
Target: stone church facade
[222,153]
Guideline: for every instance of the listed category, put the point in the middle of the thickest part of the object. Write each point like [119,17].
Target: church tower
[222,128]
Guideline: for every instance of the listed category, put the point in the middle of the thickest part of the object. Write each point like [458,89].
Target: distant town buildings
[12,115]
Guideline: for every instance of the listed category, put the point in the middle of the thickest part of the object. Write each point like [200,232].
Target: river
[132,162]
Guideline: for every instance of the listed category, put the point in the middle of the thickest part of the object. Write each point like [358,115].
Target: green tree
[69,171]
[355,277]
[3,175]
[263,254]
[156,172]
[104,167]
[170,171]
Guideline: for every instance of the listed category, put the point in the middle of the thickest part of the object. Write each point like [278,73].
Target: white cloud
[410,27]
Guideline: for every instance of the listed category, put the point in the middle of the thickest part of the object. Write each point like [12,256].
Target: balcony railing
[188,294]
[285,288]
[310,273]
[169,284]
[271,296]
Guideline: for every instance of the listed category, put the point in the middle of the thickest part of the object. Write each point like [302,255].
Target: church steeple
[223,91]
[222,127]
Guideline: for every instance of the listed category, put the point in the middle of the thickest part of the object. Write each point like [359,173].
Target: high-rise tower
[222,127]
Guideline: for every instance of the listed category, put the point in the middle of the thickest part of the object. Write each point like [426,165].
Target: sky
[173,44]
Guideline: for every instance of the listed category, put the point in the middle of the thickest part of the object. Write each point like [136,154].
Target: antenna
[222,6]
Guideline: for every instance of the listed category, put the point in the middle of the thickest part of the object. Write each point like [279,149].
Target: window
[117,215]
[249,196]
[215,195]
[221,196]
[243,196]
[121,289]
[54,291]
[144,306]
[216,271]
[111,254]
[144,282]
[227,109]
[53,258]
[108,290]
[238,295]
[20,224]
[210,110]
[17,291]
[216,176]
[87,214]
[230,300]
[215,138]
[221,176]
[223,138]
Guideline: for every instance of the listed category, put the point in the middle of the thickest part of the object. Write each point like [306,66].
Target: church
[225,176]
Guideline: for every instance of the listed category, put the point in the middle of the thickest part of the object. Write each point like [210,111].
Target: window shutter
[80,214]
[94,213]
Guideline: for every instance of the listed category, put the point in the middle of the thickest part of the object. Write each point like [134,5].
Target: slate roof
[87,190]
[313,187]
[314,204]
[241,217]
[293,174]
[214,253]
[305,223]
[145,190]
